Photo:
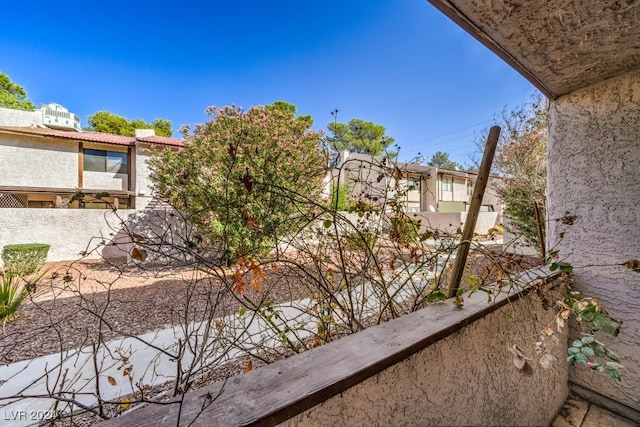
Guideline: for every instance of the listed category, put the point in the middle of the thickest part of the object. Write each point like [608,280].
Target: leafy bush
[404,229]
[340,198]
[245,179]
[24,258]
[361,240]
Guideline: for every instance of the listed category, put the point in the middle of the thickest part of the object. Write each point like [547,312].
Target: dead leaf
[111,380]
[548,331]
[633,264]
[138,237]
[565,314]
[239,283]
[258,277]
[247,180]
[219,325]
[125,403]
[251,223]
[139,254]
[248,366]
[559,323]
[519,359]
[546,361]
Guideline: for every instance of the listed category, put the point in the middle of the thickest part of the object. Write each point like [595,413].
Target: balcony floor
[580,413]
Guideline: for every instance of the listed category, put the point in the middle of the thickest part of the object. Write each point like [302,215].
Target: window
[469,188]
[447,184]
[104,161]
[412,184]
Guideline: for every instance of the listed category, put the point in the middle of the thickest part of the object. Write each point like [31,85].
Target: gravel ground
[70,303]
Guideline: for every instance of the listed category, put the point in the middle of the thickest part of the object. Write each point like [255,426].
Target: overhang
[558,45]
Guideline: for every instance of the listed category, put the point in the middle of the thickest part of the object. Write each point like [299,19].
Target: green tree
[441,159]
[106,122]
[360,136]
[521,157]
[13,95]
[244,178]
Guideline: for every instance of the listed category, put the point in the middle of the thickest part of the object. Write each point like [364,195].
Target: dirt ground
[77,300]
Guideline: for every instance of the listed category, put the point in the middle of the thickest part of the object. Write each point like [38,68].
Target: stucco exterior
[465,379]
[594,174]
[42,169]
[68,231]
[33,162]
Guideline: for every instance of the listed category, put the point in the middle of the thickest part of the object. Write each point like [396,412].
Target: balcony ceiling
[558,45]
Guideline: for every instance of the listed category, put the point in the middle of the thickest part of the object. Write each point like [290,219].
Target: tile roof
[103,138]
[162,140]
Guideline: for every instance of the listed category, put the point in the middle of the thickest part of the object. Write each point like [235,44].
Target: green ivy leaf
[576,343]
[573,350]
[565,267]
[614,365]
[327,223]
[614,374]
[611,355]
[571,360]
[588,339]
[587,351]
[241,311]
[581,358]
[606,324]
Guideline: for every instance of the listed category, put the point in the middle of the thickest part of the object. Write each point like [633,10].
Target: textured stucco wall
[142,184]
[451,221]
[467,378]
[594,174]
[35,163]
[105,180]
[68,231]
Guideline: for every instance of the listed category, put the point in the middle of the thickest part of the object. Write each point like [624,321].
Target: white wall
[594,174]
[451,221]
[105,181]
[32,162]
[142,184]
[68,231]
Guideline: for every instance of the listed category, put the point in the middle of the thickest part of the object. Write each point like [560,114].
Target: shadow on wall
[158,234]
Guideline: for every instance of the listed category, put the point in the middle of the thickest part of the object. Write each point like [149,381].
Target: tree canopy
[13,95]
[106,122]
[360,136]
[522,158]
[244,178]
[441,159]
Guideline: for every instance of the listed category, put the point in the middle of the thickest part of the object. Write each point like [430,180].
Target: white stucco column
[594,174]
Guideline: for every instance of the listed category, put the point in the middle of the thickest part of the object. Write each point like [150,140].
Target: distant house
[424,191]
[46,161]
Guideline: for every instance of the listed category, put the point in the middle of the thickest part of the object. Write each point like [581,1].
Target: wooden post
[474,210]
[541,242]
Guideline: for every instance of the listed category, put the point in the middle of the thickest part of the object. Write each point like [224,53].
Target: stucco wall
[68,231]
[467,378]
[31,162]
[450,221]
[105,180]
[594,174]
[142,184]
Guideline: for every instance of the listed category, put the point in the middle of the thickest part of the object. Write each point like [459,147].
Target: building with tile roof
[51,168]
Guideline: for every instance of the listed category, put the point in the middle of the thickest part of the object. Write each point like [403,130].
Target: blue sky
[398,63]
